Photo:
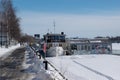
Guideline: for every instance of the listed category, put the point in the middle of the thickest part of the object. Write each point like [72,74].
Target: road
[11,67]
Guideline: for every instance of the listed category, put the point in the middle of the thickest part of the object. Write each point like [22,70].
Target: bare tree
[27,38]
[11,19]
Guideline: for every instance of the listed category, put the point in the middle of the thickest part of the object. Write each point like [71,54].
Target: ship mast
[54,25]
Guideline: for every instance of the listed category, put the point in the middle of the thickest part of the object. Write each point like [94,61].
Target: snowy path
[88,67]
[34,66]
[10,67]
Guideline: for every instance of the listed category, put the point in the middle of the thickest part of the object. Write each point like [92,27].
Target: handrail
[50,65]
[57,70]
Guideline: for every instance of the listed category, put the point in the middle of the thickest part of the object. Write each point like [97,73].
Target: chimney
[62,33]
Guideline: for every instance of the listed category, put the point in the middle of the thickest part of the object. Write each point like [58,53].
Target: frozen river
[88,67]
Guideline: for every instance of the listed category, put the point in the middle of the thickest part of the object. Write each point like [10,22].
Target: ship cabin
[53,40]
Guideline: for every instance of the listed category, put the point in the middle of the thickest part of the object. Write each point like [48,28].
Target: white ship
[55,44]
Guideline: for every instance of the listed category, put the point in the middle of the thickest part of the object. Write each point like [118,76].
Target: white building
[91,45]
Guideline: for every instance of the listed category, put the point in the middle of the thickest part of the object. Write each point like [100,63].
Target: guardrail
[57,71]
[48,63]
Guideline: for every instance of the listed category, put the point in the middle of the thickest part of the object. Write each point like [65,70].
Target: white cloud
[72,25]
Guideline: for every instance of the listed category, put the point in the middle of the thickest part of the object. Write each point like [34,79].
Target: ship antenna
[54,25]
[48,30]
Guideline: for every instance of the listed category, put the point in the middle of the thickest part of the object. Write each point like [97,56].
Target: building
[115,39]
[93,46]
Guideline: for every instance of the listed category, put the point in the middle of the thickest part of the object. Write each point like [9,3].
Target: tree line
[11,22]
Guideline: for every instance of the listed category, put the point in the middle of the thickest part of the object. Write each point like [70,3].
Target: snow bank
[59,51]
[4,51]
[35,67]
[55,51]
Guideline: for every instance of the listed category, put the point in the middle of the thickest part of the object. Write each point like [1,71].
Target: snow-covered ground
[4,51]
[35,66]
[75,67]
[88,67]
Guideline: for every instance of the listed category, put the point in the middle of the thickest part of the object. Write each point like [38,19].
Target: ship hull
[54,51]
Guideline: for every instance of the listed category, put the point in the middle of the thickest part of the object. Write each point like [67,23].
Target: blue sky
[82,18]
